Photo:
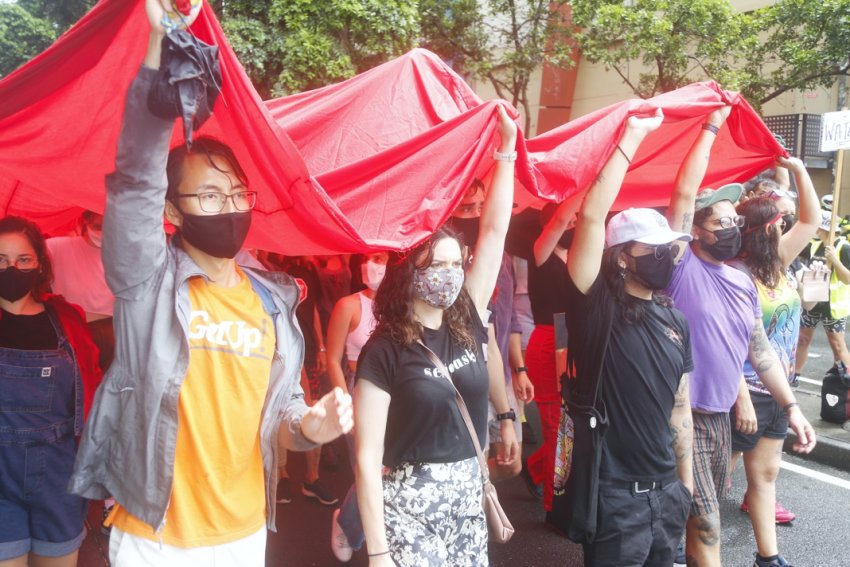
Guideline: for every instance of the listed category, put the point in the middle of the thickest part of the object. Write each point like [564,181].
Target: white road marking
[817,475]
[810,381]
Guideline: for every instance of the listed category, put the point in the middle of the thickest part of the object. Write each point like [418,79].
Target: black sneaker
[778,562]
[284,491]
[318,491]
[536,490]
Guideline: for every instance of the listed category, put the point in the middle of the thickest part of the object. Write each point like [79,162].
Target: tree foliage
[788,45]
[289,46]
[520,36]
[28,27]
[22,36]
[61,14]
[803,44]
[454,30]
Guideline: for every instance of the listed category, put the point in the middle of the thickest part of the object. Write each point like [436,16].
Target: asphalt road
[816,539]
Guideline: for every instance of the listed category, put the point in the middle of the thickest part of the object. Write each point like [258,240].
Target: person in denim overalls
[41,405]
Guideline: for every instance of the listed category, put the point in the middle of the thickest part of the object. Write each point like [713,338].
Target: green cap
[707,197]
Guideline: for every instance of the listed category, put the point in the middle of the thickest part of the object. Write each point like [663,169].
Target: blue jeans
[349,512]
[37,450]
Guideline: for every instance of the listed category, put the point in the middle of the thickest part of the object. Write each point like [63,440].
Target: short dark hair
[204,145]
[701,215]
[29,230]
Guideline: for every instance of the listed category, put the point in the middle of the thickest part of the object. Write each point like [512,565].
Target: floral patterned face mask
[438,287]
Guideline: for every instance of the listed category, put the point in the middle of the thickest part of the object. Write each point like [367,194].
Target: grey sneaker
[318,491]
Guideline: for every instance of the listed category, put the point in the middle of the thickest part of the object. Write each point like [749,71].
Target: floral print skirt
[433,514]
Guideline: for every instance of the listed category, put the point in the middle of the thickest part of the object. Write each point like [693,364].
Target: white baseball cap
[646,226]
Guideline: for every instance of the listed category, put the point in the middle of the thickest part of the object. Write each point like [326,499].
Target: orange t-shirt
[219,486]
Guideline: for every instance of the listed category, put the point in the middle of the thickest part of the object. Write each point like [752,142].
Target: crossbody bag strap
[602,365]
[464,412]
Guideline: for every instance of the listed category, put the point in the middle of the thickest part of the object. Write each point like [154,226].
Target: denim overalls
[40,412]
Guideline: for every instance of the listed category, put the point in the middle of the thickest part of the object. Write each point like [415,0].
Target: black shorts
[772,423]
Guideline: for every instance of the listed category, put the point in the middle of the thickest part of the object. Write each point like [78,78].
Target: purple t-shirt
[721,305]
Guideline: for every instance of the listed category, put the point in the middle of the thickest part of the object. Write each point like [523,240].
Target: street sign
[835,131]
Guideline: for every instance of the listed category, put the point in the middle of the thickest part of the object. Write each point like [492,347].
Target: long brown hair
[29,230]
[393,304]
[760,248]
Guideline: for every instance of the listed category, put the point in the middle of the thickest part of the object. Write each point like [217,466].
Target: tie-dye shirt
[781,308]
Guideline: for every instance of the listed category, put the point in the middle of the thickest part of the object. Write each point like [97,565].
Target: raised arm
[680,214]
[134,238]
[560,221]
[585,256]
[495,217]
[793,242]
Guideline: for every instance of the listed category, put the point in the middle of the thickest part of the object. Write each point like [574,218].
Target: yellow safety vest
[839,293]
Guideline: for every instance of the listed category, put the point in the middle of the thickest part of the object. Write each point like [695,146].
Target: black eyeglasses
[214,202]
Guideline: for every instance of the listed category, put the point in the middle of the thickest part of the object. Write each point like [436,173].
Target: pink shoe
[783,516]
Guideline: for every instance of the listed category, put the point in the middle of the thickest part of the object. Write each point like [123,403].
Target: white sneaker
[339,542]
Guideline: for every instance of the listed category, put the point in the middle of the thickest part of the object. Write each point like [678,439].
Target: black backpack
[834,399]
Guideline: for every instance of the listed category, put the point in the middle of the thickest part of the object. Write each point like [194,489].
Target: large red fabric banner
[378,161]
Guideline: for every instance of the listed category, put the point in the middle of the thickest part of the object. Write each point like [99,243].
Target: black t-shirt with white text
[641,371]
[423,422]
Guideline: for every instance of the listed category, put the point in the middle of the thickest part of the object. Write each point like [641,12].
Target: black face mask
[727,246]
[220,236]
[654,273]
[14,284]
[466,227]
[789,220]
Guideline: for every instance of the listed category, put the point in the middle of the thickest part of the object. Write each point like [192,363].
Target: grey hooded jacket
[128,445]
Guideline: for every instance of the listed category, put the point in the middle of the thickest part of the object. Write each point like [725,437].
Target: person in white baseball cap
[649,227]
[627,337]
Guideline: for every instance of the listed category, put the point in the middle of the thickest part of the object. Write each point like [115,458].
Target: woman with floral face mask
[48,374]
[427,509]
[351,323]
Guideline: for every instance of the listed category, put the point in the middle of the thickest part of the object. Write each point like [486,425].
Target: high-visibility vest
[839,293]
